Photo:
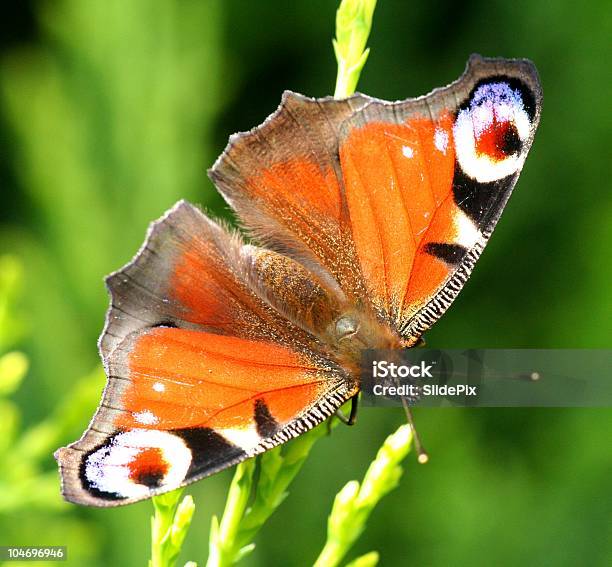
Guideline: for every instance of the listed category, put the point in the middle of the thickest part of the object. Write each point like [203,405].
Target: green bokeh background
[111,110]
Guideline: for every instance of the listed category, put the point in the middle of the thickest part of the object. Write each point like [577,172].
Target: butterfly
[365,219]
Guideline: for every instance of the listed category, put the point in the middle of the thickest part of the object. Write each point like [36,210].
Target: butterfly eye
[132,463]
[491,131]
[346,327]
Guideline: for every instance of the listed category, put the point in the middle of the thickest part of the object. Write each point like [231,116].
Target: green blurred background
[111,110]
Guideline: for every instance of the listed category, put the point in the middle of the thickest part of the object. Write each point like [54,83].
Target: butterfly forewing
[399,211]
[427,179]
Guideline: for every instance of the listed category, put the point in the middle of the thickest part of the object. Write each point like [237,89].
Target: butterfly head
[355,331]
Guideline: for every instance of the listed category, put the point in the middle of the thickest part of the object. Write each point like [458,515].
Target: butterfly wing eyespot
[491,130]
[132,463]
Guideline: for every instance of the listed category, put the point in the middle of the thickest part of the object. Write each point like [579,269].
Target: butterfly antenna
[422,455]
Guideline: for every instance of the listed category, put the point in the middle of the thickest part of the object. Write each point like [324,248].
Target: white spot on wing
[246,438]
[467,233]
[145,417]
[407,151]
[159,387]
[441,140]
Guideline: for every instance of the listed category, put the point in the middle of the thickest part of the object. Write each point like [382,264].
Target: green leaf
[367,560]
[224,548]
[12,326]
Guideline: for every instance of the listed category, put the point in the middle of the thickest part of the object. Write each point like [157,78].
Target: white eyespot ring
[108,468]
[494,109]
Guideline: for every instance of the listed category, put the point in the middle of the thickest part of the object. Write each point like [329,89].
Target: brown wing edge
[224,161]
[248,151]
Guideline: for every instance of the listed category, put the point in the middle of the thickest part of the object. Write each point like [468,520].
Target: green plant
[169,526]
[250,503]
[25,479]
[353,25]
[355,502]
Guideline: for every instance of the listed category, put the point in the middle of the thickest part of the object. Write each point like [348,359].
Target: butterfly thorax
[312,300]
[358,330]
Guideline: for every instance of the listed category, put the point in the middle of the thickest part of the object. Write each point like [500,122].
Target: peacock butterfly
[368,217]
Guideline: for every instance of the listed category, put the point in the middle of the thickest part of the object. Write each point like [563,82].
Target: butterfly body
[366,218]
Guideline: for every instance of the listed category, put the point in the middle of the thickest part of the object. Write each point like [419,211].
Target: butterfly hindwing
[203,371]
[284,182]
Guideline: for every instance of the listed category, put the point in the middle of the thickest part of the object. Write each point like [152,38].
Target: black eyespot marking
[150,478]
[267,426]
[148,467]
[452,254]
[96,492]
[481,201]
[510,142]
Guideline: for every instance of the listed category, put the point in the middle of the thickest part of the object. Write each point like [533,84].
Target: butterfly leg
[352,418]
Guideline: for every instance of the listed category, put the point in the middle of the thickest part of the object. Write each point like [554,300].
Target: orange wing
[284,181]
[203,370]
[399,200]
[398,211]
[427,179]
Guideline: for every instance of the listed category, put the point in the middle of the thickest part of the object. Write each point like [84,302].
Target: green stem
[232,539]
[169,526]
[355,502]
[223,550]
[353,25]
